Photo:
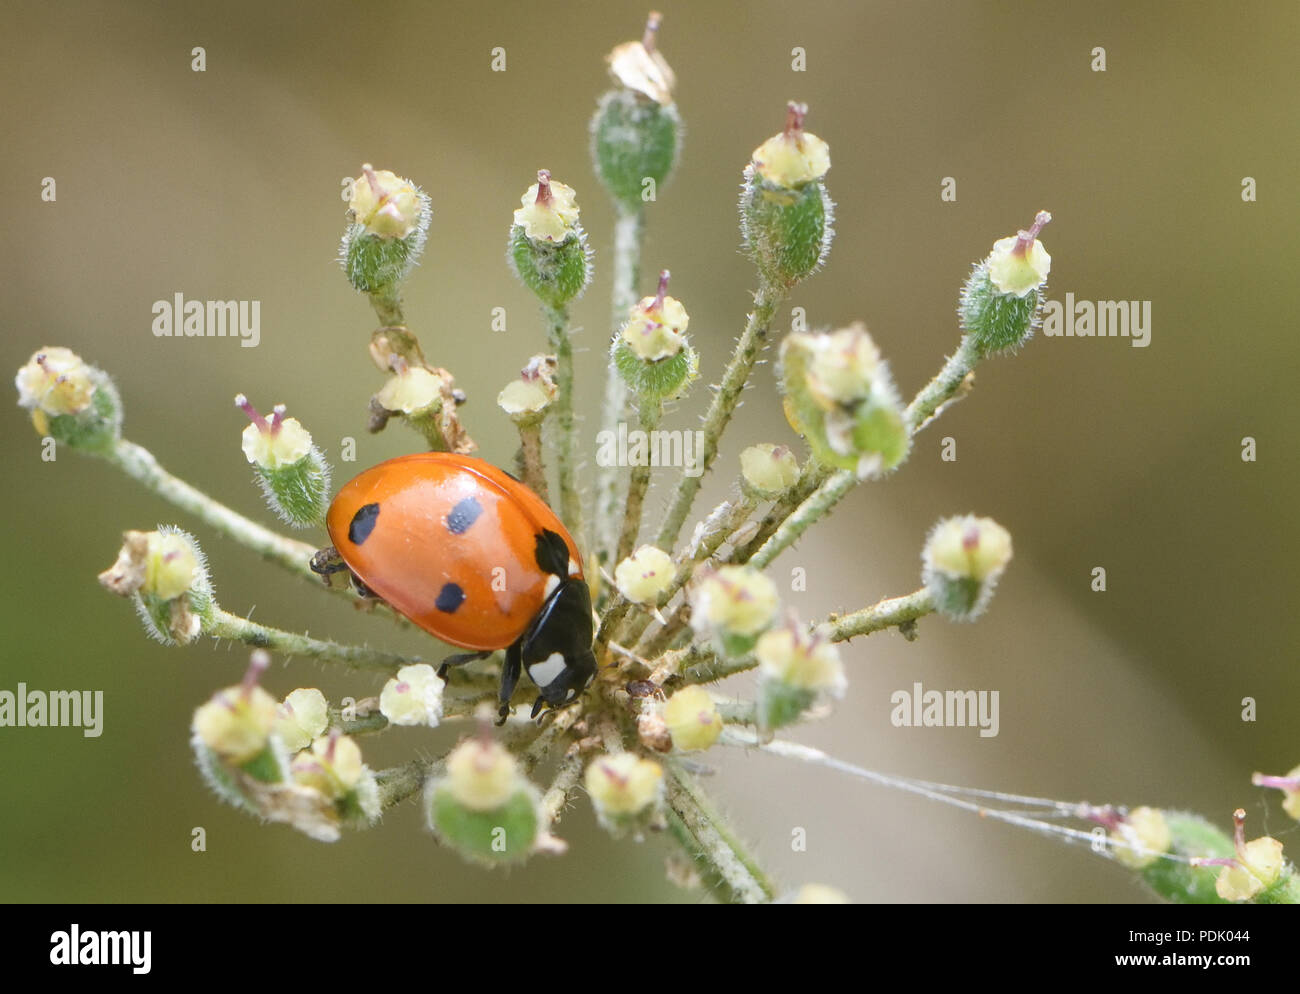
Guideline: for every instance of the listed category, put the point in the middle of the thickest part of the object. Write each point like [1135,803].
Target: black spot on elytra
[552,554]
[464,514]
[363,523]
[450,597]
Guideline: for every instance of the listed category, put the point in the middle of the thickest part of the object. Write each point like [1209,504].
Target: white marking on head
[544,673]
[574,568]
[570,694]
[552,581]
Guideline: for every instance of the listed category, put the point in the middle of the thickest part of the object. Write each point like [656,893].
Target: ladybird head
[568,676]
[557,651]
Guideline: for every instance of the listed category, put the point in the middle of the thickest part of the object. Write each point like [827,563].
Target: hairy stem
[950,384]
[230,626]
[629,229]
[750,346]
[397,783]
[814,508]
[139,463]
[811,476]
[387,303]
[557,326]
[651,408]
[530,459]
[720,525]
[729,870]
[891,613]
[562,786]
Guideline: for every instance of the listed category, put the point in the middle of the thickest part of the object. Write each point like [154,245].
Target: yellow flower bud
[482,775]
[793,157]
[645,576]
[549,212]
[768,469]
[624,784]
[801,661]
[302,717]
[969,547]
[55,381]
[384,203]
[1142,836]
[656,325]
[842,366]
[1019,264]
[639,66]
[236,723]
[333,766]
[411,390]
[1257,866]
[171,565]
[413,697]
[734,600]
[692,719]
[274,442]
[534,390]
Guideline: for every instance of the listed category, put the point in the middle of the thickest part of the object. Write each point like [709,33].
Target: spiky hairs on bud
[165,574]
[962,561]
[548,248]
[388,232]
[651,352]
[1002,299]
[636,133]
[786,215]
[292,472]
[70,401]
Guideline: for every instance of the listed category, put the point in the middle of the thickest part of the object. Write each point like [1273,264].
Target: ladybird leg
[362,590]
[459,659]
[327,561]
[509,678]
[538,705]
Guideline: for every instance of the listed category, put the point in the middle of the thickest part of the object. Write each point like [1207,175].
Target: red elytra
[454,544]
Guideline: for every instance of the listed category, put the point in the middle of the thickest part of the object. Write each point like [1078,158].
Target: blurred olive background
[226,184]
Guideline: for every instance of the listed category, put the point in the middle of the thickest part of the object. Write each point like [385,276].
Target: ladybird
[474,557]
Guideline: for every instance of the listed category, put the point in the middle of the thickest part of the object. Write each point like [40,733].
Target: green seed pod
[333,770]
[634,140]
[548,248]
[483,807]
[840,396]
[1002,298]
[292,472]
[962,561]
[767,471]
[651,352]
[390,226]
[71,401]
[165,575]
[786,214]
[666,378]
[733,606]
[795,670]
[636,133]
[233,738]
[627,793]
